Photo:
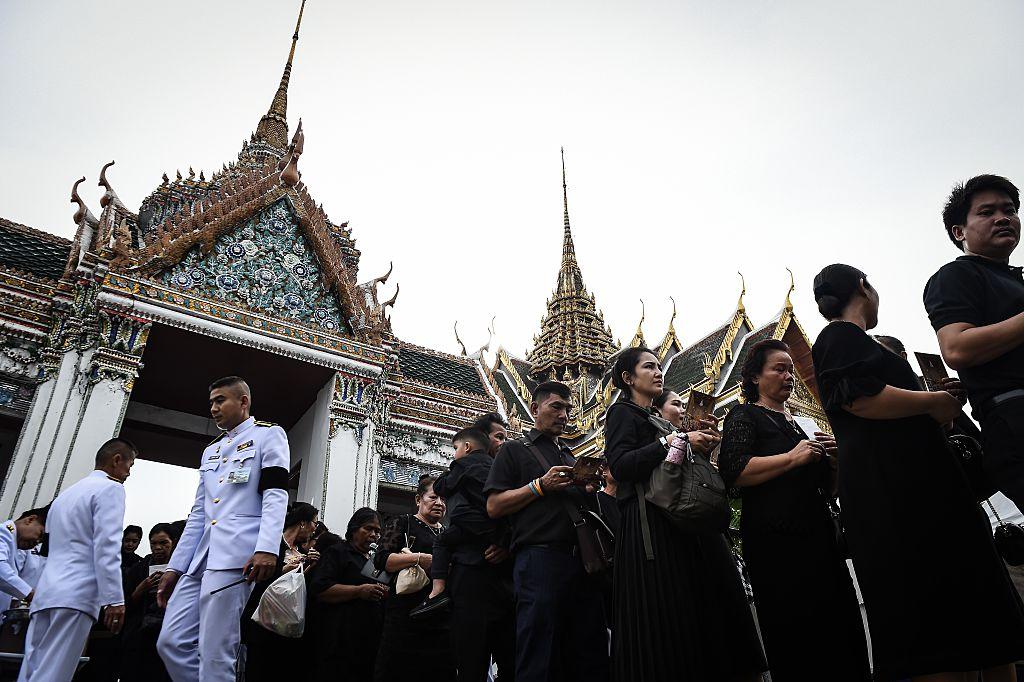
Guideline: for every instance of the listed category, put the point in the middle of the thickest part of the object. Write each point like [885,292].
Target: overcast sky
[701,139]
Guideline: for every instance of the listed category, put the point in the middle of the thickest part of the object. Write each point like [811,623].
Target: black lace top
[790,503]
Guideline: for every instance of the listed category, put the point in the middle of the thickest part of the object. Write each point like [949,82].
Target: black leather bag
[1008,538]
[968,452]
[593,537]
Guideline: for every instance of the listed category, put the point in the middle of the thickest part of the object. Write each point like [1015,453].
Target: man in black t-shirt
[560,632]
[976,305]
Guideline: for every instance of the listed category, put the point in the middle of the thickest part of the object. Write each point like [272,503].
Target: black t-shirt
[980,292]
[543,521]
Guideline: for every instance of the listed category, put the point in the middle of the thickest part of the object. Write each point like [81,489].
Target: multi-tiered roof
[574,339]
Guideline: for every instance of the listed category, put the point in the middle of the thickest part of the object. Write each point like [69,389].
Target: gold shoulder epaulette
[222,434]
[259,423]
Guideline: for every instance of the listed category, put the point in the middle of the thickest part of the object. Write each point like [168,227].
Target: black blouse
[793,502]
[405,531]
[632,447]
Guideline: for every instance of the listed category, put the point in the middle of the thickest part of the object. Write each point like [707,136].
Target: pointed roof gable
[670,343]
[574,338]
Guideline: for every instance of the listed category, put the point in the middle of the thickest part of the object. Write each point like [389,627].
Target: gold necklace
[784,410]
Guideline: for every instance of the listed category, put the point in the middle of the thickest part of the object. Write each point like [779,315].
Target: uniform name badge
[239,475]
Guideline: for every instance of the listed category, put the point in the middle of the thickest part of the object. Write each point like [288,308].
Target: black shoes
[431,606]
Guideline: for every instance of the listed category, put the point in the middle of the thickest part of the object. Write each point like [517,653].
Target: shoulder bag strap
[570,508]
[645,526]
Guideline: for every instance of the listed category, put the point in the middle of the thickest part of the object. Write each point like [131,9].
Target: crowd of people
[520,563]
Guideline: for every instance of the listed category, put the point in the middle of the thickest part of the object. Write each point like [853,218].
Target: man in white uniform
[15,537]
[231,539]
[82,576]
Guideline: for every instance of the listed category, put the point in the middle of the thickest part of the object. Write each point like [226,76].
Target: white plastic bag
[282,608]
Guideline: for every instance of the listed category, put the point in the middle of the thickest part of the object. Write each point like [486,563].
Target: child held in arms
[470,530]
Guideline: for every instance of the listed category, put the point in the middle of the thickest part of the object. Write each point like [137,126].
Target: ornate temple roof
[440,369]
[574,338]
[687,369]
[32,251]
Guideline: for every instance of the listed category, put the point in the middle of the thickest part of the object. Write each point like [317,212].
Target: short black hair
[132,528]
[116,446]
[834,286]
[178,527]
[359,518]
[225,382]
[627,362]
[478,438]
[752,366]
[660,401]
[39,512]
[958,205]
[425,484]
[486,422]
[162,527]
[299,512]
[546,388]
[892,343]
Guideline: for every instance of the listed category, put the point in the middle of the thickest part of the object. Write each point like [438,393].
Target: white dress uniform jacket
[237,511]
[11,582]
[81,575]
[83,567]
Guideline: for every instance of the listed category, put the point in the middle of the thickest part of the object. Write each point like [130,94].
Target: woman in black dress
[938,597]
[407,643]
[349,606]
[682,617]
[806,605]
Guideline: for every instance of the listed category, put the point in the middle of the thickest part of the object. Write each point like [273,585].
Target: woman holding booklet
[680,614]
[806,605]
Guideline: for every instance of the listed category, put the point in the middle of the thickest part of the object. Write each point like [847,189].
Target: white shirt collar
[241,427]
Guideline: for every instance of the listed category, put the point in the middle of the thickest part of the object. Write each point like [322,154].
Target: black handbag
[690,494]
[1008,539]
[968,452]
[593,537]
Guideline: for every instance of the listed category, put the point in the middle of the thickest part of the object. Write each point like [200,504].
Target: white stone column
[308,441]
[54,398]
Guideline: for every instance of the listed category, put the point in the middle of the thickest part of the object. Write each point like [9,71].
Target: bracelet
[532,485]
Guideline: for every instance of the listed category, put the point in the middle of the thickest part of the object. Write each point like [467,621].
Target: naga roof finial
[77,199]
[273,127]
[672,320]
[792,288]
[461,345]
[638,337]
[743,292]
[110,194]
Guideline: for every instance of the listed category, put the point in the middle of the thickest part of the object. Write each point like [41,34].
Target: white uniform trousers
[201,635]
[53,645]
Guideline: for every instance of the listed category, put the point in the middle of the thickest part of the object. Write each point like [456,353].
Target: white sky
[701,139]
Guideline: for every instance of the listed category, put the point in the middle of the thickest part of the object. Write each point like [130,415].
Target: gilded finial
[165,179]
[179,174]
[743,291]
[290,174]
[191,173]
[672,320]
[792,288]
[638,337]
[391,301]
[202,178]
[461,345]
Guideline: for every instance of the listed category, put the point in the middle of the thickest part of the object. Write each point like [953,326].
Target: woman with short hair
[349,605]
[683,616]
[938,599]
[406,643]
[806,604]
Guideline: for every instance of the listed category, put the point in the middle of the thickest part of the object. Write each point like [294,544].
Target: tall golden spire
[570,278]
[273,127]
[573,339]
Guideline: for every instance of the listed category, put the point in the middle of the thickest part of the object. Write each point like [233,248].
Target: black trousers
[483,621]
[1002,435]
[560,626]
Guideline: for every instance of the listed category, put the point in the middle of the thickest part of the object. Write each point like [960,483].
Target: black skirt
[684,616]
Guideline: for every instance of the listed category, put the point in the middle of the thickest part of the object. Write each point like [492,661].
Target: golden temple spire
[574,338]
[273,127]
[570,278]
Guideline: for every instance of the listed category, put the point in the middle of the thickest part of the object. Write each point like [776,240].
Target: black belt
[563,547]
[998,400]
